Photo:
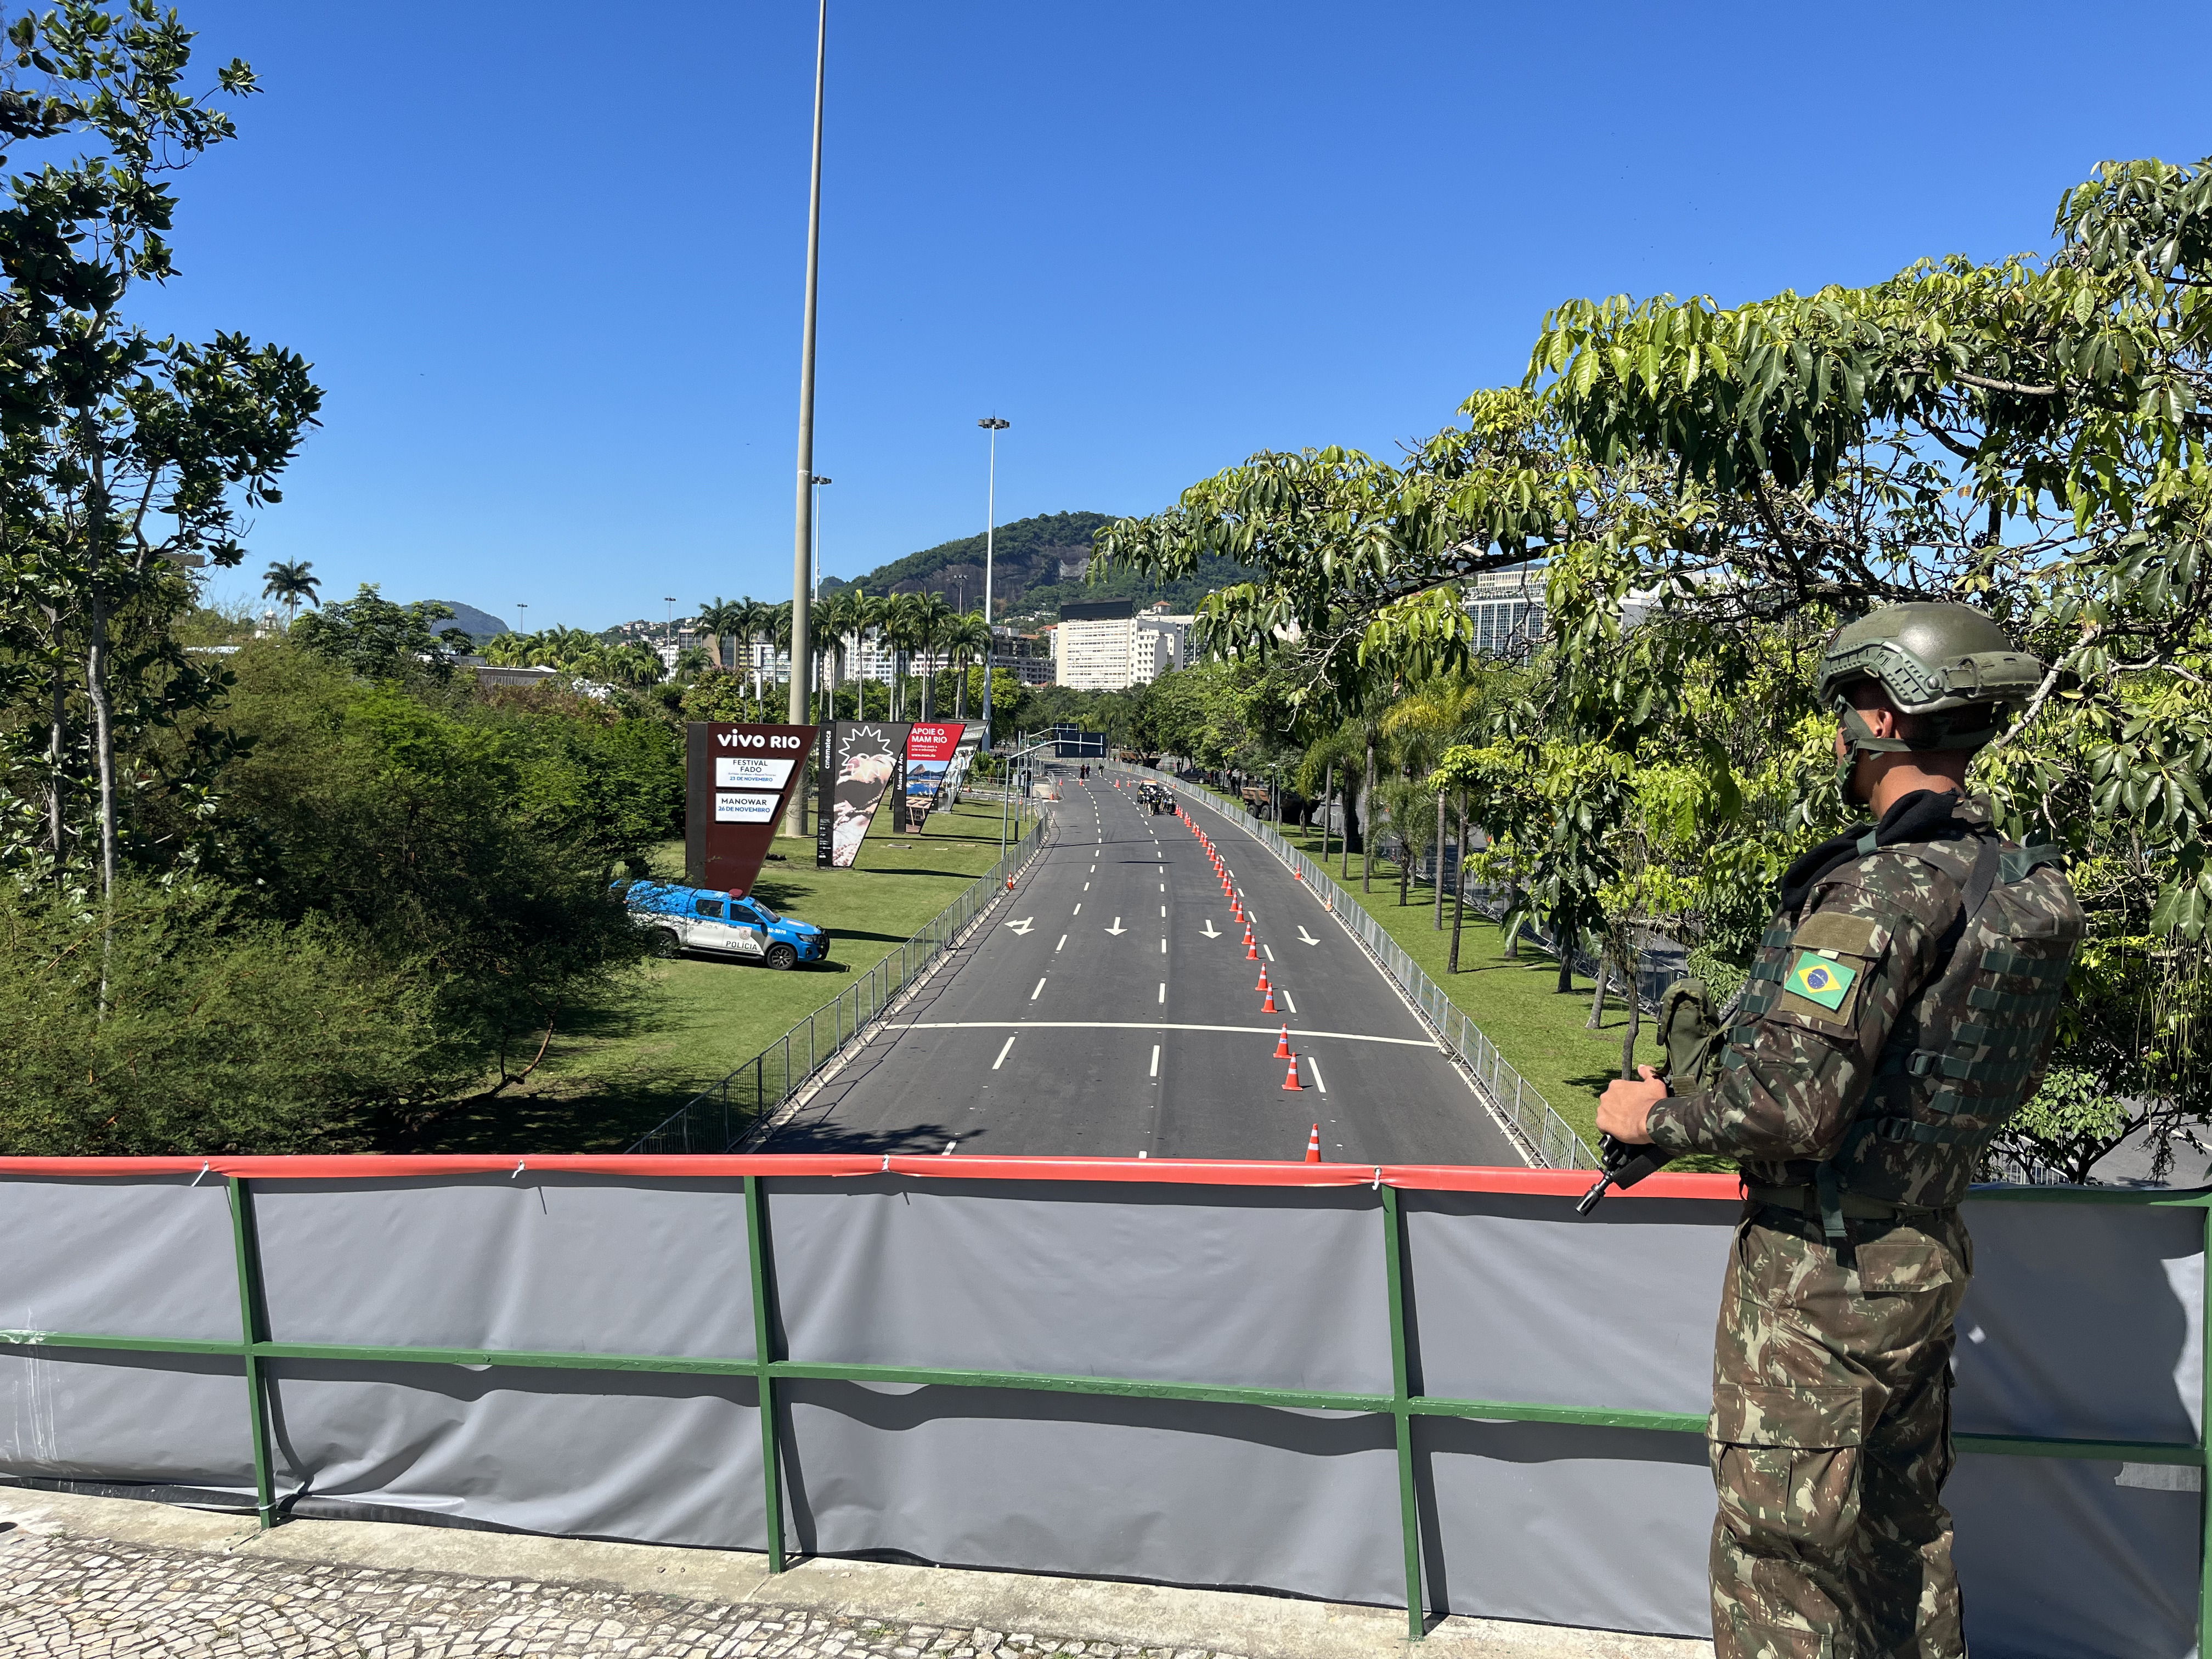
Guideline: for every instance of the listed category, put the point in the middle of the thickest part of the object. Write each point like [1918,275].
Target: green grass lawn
[1540,1029]
[689,1023]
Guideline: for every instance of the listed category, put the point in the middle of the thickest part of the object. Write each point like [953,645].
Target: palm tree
[570,649]
[817,632]
[509,650]
[875,620]
[631,664]
[821,644]
[1443,712]
[1353,746]
[717,617]
[760,622]
[933,618]
[968,638]
[895,624]
[842,618]
[288,584]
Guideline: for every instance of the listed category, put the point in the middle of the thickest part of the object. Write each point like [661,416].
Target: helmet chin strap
[1859,739]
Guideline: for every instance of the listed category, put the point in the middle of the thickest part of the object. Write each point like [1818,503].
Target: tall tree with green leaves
[757,626]
[371,636]
[126,456]
[288,584]
[718,619]
[932,620]
[968,638]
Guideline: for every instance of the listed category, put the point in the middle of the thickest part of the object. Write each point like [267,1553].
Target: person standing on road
[1901,1009]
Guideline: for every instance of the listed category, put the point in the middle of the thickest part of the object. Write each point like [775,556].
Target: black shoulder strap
[1981,880]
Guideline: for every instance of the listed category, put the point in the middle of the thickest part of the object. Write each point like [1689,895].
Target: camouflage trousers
[1831,1440]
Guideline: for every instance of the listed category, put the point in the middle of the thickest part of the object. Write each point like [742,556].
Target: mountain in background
[1038,565]
[478,625]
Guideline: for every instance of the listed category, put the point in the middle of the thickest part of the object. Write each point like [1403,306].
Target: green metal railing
[1402,1403]
[719,1116]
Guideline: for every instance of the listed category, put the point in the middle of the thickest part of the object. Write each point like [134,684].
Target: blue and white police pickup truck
[708,919]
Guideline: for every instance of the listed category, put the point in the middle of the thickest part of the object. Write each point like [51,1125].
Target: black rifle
[1625,1165]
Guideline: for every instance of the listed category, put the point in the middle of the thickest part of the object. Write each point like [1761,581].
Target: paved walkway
[82,1597]
[111,1578]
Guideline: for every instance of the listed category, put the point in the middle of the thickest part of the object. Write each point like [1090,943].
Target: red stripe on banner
[1161,1171]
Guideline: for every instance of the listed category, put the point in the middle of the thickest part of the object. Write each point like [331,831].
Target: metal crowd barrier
[1547,1136]
[719,1117]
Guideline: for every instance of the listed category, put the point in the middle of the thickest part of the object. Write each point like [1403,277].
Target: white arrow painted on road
[1021,926]
[1212,932]
[1305,937]
[1117,929]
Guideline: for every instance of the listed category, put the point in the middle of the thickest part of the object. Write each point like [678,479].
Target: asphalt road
[1109,1009]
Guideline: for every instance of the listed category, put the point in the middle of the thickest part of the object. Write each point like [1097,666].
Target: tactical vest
[1965,1046]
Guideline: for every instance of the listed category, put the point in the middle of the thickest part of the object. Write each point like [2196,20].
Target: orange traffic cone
[1268,1006]
[1283,1044]
[1262,985]
[1251,951]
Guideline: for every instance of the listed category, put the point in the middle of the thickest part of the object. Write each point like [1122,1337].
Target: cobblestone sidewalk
[96,1599]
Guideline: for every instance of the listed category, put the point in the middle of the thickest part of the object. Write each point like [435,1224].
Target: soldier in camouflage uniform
[1899,1009]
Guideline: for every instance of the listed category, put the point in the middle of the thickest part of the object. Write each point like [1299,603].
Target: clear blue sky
[547,258]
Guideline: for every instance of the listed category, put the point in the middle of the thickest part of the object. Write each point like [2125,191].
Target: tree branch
[1986,383]
[2034,703]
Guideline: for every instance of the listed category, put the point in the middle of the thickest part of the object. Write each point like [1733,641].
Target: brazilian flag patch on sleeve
[1818,979]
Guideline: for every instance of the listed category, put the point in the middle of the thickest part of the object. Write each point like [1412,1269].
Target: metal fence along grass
[718,1118]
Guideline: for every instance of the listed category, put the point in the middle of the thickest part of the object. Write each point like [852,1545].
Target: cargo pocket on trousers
[1786,1465]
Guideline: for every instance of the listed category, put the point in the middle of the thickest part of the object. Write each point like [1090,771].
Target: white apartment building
[1107,645]
[1507,610]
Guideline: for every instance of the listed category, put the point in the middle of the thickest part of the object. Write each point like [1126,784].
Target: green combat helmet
[1949,661]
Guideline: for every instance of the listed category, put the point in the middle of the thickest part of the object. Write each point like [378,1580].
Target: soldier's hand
[1624,1108]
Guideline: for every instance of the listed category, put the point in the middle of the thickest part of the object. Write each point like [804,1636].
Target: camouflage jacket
[1805,1078]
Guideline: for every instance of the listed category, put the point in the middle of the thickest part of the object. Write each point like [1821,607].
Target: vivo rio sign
[739,783]
[769,742]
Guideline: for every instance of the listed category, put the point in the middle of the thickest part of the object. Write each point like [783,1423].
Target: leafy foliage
[369,635]
[124,455]
[575,651]
[203,1031]
[1709,491]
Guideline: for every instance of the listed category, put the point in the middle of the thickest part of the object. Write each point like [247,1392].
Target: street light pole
[794,822]
[814,590]
[994,426]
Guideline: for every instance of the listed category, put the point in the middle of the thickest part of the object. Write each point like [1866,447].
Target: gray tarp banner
[570,1263]
[1251,1286]
[2085,1321]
